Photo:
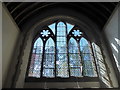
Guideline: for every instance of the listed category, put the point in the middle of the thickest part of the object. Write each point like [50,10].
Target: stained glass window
[63,51]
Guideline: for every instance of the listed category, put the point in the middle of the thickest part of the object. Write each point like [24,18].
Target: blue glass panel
[76,33]
[52,27]
[49,58]
[61,63]
[69,27]
[45,33]
[73,47]
[74,58]
[88,69]
[84,46]
[36,58]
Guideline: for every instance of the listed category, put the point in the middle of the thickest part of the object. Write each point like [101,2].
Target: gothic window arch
[63,52]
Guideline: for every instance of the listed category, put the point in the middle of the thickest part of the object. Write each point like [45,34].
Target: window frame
[60,79]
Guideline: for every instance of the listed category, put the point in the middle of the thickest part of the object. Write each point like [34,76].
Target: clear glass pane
[49,58]
[99,56]
[103,74]
[35,65]
[101,65]
[97,48]
[106,82]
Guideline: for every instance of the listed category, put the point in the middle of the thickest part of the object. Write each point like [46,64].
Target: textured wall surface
[10,34]
[111,32]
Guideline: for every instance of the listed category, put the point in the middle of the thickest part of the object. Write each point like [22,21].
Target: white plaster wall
[111,32]
[23,68]
[10,33]
[110,67]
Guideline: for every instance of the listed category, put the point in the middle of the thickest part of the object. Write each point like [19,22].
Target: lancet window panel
[87,58]
[36,58]
[49,59]
[74,58]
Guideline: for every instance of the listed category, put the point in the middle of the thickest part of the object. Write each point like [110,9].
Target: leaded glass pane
[76,33]
[62,72]
[87,56]
[62,39]
[48,72]
[62,62]
[45,33]
[101,65]
[76,72]
[99,56]
[97,48]
[107,82]
[35,65]
[103,73]
[85,49]
[49,59]
[88,68]
[74,58]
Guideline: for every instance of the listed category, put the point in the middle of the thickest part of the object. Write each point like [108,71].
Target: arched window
[74,58]
[63,52]
[36,58]
[87,57]
[49,59]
